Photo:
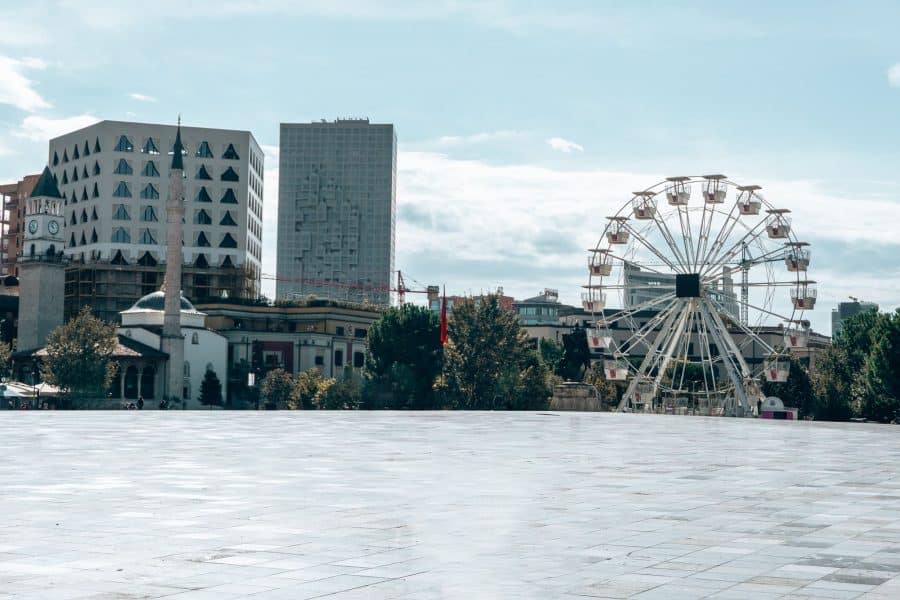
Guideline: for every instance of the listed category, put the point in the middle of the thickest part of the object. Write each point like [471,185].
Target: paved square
[444,505]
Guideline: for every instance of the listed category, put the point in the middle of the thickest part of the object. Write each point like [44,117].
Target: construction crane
[401,288]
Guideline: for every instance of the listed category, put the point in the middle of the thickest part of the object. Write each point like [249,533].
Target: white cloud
[16,89]
[479,138]
[141,97]
[42,129]
[893,75]
[563,145]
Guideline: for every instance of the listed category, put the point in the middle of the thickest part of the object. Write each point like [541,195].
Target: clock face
[32,226]
[53,227]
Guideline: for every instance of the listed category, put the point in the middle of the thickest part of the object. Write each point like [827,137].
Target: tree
[610,393]
[488,363]
[210,389]
[832,389]
[5,359]
[307,387]
[552,353]
[880,390]
[797,392]
[79,356]
[405,355]
[576,360]
[339,394]
[277,389]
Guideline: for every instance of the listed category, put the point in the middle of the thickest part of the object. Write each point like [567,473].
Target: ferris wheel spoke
[703,340]
[670,241]
[641,334]
[763,310]
[771,256]
[722,235]
[676,335]
[687,240]
[644,242]
[745,240]
[747,331]
[705,226]
[625,313]
[665,333]
[683,356]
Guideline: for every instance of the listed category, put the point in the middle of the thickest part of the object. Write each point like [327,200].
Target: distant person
[140,403]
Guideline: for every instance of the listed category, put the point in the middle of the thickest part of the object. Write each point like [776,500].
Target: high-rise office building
[337,205]
[845,310]
[13,196]
[112,176]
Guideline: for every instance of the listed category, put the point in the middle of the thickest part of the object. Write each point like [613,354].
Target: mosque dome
[157,301]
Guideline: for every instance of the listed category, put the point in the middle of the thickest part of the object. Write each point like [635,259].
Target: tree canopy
[210,389]
[79,356]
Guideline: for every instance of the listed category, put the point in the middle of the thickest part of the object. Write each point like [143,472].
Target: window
[122,191]
[202,218]
[231,153]
[75,154]
[228,220]
[94,214]
[339,330]
[228,242]
[83,240]
[147,237]
[65,178]
[230,175]
[203,151]
[147,260]
[123,168]
[150,192]
[228,197]
[118,259]
[72,239]
[124,144]
[202,240]
[187,369]
[94,236]
[96,168]
[55,159]
[150,147]
[201,262]
[202,173]
[150,169]
[226,262]
[84,195]
[74,173]
[73,221]
[97,145]
[203,195]
[320,360]
[121,236]
[87,149]
[339,358]
[195,338]
[65,156]
[83,216]
[148,213]
[96,192]
[84,173]
[120,213]
[359,359]
[359,333]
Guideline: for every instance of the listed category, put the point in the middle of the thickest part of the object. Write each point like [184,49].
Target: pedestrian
[140,403]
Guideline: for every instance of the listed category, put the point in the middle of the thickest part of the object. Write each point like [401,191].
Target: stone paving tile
[420,506]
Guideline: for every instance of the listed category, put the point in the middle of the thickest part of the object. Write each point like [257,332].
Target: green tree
[552,353]
[339,394]
[277,389]
[79,356]
[405,356]
[5,359]
[210,389]
[488,362]
[610,393]
[797,392]
[880,389]
[306,387]
[576,360]
[832,386]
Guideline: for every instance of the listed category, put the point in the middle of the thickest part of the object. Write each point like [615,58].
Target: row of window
[74,178]
[148,260]
[75,153]
[123,213]
[150,146]
[358,359]
[122,235]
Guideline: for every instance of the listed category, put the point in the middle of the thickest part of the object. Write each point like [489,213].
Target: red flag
[444,318]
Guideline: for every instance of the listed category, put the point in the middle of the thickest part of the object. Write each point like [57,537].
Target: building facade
[337,210]
[113,176]
[12,209]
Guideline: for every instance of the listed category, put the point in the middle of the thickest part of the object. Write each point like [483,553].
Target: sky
[521,124]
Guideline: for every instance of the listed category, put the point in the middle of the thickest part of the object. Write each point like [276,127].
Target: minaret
[41,268]
[172,340]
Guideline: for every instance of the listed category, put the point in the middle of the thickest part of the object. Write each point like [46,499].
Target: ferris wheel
[697,291]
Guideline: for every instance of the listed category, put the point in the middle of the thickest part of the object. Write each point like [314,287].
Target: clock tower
[41,267]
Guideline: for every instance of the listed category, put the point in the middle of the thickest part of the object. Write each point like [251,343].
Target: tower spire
[178,149]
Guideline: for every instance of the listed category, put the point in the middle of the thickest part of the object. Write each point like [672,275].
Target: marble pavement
[280,505]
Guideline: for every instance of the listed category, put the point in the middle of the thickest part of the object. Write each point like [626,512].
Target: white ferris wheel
[697,291]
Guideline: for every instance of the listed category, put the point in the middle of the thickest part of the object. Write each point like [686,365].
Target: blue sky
[520,122]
